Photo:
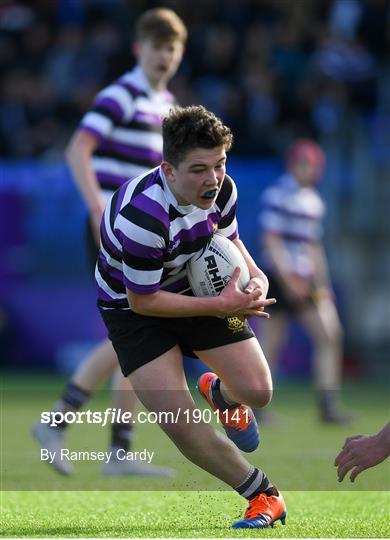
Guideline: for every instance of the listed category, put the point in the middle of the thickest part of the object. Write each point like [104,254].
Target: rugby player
[151,227]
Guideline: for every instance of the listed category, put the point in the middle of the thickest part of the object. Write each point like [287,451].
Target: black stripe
[118,156]
[117,304]
[105,111]
[142,184]
[132,90]
[109,249]
[188,248]
[114,284]
[226,221]
[243,487]
[113,212]
[139,126]
[111,187]
[174,213]
[140,263]
[145,221]
[225,193]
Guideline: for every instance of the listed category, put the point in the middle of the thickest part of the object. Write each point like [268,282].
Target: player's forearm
[278,254]
[166,304]
[384,439]
[79,160]
[254,270]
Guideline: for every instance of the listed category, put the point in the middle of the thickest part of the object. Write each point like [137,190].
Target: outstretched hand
[359,453]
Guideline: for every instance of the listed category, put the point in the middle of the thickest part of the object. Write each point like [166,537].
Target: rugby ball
[211,269]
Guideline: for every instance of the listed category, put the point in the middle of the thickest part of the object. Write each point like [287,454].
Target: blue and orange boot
[238,421]
[263,511]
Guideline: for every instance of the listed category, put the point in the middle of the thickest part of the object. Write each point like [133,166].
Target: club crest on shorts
[235,324]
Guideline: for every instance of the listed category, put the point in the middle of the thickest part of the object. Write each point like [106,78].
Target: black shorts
[138,339]
[91,247]
[284,303]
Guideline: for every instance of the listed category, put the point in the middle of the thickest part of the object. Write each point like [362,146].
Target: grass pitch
[297,452]
[190,514]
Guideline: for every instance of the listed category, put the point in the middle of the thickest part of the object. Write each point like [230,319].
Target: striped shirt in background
[295,213]
[127,118]
[147,238]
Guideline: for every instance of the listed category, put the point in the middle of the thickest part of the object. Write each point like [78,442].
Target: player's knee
[257,397]
[261,398]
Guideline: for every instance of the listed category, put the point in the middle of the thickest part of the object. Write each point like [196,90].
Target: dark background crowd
[272,69]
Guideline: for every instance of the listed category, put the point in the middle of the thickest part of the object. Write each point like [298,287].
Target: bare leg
[273,338]
[97,367]
[323,325]
[123,395]
[161,386]
[243,370]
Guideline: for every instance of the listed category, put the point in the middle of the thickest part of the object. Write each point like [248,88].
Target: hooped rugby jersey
[127,119]
[147,238]
[295,213]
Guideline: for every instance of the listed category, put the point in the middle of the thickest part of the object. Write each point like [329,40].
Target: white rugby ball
[210,270]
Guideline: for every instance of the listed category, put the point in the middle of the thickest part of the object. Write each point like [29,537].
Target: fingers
[344,468]
[356,472]
[236,275]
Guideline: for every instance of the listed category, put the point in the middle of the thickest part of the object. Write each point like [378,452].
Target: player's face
[159,60]
[198,178]
[306,172]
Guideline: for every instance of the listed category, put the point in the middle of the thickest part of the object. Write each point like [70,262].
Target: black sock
[219,399]
[121,435]
[73,398]
[255,483]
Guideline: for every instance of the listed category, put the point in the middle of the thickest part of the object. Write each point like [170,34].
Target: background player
[150,229]
[118,139]
[291,231]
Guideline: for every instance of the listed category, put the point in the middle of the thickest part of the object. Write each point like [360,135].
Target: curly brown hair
[187,128]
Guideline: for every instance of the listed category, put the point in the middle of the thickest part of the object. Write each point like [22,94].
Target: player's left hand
[359,453]
[257,283]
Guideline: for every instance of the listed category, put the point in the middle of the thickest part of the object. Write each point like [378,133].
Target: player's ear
[168,171]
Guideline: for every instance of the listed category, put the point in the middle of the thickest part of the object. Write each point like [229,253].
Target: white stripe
[156,193]
[173,278]
[97,122]
[141,139]
[122,97]
[110,233]
[132,185]
[227,231]
[138,234]
[254,485]
[103,285]
[142,277]
[230,202]
[189,220]
[111,166]
[112,262]
[180,259]
[145,105]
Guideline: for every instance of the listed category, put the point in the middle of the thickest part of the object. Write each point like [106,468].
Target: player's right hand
[247,303]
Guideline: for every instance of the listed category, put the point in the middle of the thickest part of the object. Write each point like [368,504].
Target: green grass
[189,514]
[297,452]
